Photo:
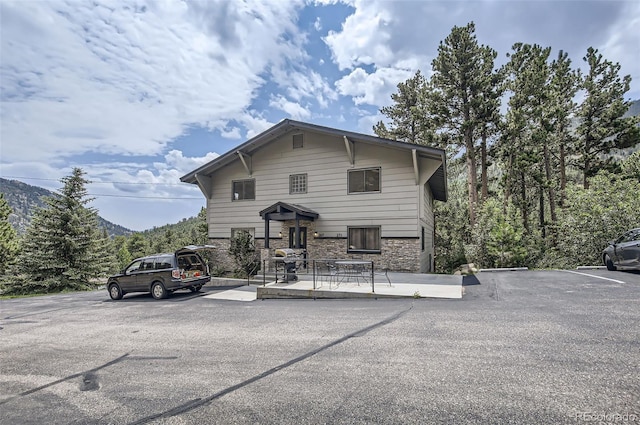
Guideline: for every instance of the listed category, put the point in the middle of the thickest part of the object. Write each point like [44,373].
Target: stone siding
[397,254]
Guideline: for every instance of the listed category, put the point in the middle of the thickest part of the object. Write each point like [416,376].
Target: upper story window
[298,141]
[243,189]
[364,180]
[297,183]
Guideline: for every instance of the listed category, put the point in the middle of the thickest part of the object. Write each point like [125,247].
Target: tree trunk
[550,189]
[483,159]
[523,206]
[472,178]
[585,179]
[542,224]
[563,173]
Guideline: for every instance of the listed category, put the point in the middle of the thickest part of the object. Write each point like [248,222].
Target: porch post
[266,230]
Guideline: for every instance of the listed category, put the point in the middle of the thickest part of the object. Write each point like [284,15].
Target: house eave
[247,149]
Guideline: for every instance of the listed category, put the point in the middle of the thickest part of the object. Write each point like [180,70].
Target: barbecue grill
[288,258]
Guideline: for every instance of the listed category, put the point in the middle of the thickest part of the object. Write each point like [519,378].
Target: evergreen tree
[63,246]
[602,126]
[123,256]
[138,246]
[409,114]
[457,99]
[631,167]
[9,246]
[202,228]
[487,111]
[525,145]
[563,86]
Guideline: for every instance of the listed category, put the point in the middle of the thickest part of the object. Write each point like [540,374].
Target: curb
[506,269]
[265,293]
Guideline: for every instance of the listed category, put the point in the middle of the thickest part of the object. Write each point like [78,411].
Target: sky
[138,93]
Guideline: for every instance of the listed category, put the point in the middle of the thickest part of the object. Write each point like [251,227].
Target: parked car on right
[624,252]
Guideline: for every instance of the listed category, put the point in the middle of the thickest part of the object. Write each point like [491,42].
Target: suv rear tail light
[175,273]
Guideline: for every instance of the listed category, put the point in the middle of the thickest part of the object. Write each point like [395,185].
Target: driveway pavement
[522,347]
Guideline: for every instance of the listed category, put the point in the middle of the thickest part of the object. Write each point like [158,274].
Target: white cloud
[374,88]
[232,133]
[175,159]
[130,78]
[255,124]
[363,39]
[381,41]
[292,109]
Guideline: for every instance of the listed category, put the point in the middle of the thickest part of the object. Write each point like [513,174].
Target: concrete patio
[403,285]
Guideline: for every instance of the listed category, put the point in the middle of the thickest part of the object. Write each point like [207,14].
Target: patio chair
[383,272]
[326,272]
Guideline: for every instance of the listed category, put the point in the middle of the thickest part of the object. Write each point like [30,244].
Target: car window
[148,264]
[635,236]
[164,262]
[134,267]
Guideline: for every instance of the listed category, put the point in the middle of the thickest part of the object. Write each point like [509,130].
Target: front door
[301,238]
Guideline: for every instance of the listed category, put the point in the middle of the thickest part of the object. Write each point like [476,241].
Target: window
[133,267]
[250,230]
[148,264]
[164,262]
[297,183]
[366,180]
[364,239]
[298,141]
[243,189]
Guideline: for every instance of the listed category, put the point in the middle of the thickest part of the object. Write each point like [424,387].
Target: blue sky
[139,93]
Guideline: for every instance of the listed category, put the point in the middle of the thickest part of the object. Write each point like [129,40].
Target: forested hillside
[24,198]
[542,170]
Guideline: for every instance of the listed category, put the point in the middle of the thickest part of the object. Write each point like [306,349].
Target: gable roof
[284,208]
[437,182]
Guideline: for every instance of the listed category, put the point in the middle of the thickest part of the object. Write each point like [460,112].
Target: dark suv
[161,274]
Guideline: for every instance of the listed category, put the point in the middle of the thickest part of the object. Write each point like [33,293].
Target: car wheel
[195,288]
[115,292]
[157,291]
[609,263]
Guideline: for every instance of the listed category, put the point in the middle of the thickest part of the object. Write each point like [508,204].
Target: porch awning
[281,211]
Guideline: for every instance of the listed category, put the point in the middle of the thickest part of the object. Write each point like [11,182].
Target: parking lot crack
[194,404]
[90,372]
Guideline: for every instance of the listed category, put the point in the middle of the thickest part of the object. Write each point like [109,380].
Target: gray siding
[427,221]
[397,208]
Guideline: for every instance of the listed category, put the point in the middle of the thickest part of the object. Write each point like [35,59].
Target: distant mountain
[634,109]
[24,199]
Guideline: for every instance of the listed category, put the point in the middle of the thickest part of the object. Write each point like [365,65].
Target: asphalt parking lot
[534,347]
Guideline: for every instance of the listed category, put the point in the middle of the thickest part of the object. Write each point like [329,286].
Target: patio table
[351,269]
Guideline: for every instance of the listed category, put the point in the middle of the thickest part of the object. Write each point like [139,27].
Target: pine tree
[409,114]
[8,238]
[63,246]
[525,145]
[457,98]
[138,245]
[563,86]
[602,126]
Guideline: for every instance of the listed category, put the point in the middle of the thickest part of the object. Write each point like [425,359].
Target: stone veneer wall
[397,254]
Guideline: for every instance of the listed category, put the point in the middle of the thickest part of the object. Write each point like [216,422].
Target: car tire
[196,288]
[157,291]
[115,292]
[609,263]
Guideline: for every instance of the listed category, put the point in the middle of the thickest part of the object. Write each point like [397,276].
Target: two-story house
[335,193]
